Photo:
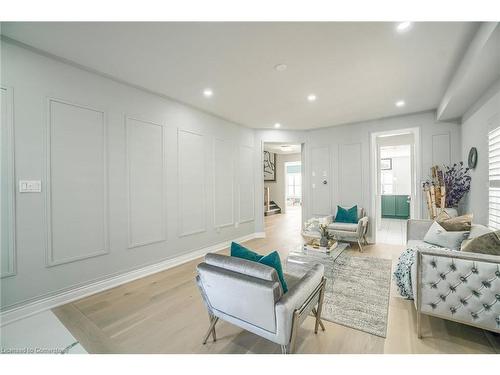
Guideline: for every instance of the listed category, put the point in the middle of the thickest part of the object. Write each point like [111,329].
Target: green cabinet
[396,206]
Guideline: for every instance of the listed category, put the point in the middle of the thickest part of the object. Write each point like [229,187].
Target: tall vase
[323,242]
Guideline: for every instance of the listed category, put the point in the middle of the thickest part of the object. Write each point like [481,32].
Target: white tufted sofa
[454,285]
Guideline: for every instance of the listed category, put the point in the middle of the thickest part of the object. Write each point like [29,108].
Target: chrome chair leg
[320,307]
[211,329]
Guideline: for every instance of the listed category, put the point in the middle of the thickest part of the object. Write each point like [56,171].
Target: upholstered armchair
[460,286]
[249,295]
[351,231]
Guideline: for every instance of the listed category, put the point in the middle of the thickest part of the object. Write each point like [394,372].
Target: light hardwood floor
[392,231]
[163,313]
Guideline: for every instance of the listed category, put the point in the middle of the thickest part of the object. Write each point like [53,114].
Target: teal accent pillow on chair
[239,251]
[271,260]
[347,216]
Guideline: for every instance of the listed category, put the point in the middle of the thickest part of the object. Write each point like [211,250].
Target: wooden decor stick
[433,202]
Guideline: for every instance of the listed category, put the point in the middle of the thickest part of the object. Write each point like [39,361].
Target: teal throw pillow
[239,251]
[347,216]
[273,260]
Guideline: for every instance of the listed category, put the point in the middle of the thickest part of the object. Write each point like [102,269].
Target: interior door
[320,181]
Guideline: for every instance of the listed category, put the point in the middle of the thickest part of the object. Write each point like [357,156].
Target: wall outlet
[30,186]
[236,224]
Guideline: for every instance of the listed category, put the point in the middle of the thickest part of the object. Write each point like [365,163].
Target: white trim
[163,238]
[214,185]
[10,176]
[242,220]
[416,174]
[50,260]
[180,209]
[44,303]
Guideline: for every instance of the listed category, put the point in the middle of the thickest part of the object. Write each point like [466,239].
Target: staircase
[270,207]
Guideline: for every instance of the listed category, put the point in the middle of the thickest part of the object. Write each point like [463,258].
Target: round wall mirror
[472,158]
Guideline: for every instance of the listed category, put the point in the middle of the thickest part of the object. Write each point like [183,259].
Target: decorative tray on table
[313,245]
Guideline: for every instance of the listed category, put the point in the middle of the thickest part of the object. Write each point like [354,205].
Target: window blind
[494,178]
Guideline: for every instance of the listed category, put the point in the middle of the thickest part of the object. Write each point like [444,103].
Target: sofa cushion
[488,243]
[456,224]
[347,227]
[476,230]
[420,244]
[347,215]
[437,235]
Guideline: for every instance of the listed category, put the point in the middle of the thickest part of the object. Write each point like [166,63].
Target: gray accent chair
[460,286]
[249,295]
[351,231]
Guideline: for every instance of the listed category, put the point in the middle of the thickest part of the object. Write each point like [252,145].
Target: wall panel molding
[50,135]
[145,178]
[220,187]
[351,174]
[441,149]
[191,183]
[8,208]
[246,184]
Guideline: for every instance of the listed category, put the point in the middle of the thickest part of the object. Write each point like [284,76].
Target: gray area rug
[357,292]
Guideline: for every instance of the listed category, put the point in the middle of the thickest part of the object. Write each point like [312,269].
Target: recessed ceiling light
[403,26]
[208,93]
[280,67]
[311,97]
[277,125]
[400,103]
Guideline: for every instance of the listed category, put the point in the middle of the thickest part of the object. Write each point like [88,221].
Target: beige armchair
[351,231]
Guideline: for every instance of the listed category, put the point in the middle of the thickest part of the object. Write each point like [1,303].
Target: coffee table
[300,260]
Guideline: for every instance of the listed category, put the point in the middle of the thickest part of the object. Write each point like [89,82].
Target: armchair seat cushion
[346,227]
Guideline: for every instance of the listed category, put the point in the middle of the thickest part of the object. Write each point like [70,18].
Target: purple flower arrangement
[457,182]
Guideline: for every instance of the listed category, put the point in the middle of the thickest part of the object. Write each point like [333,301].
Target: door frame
[260,199]
[416,198]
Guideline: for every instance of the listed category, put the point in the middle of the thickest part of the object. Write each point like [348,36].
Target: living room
[230,187]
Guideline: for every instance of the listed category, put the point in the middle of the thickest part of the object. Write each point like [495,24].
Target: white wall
[134,178]
[484,116]
[341,156]
[278,189]
[344,152]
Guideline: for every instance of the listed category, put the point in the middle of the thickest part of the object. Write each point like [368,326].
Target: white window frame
[494,178]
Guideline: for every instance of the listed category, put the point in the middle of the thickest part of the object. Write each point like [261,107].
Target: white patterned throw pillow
[437,235]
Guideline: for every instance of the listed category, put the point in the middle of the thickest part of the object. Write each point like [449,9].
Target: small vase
[323,242]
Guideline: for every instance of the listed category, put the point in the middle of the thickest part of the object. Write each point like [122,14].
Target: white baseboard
[66,296]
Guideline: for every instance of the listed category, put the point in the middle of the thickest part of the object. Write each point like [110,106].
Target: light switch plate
[30,186]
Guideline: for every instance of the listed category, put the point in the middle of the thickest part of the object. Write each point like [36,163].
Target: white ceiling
[480,68]
[357,70]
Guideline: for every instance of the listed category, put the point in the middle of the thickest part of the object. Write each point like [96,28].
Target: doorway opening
[282,179]
[395,183]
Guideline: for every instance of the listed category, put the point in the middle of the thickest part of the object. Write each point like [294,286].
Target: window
[494,178]
[293,183]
